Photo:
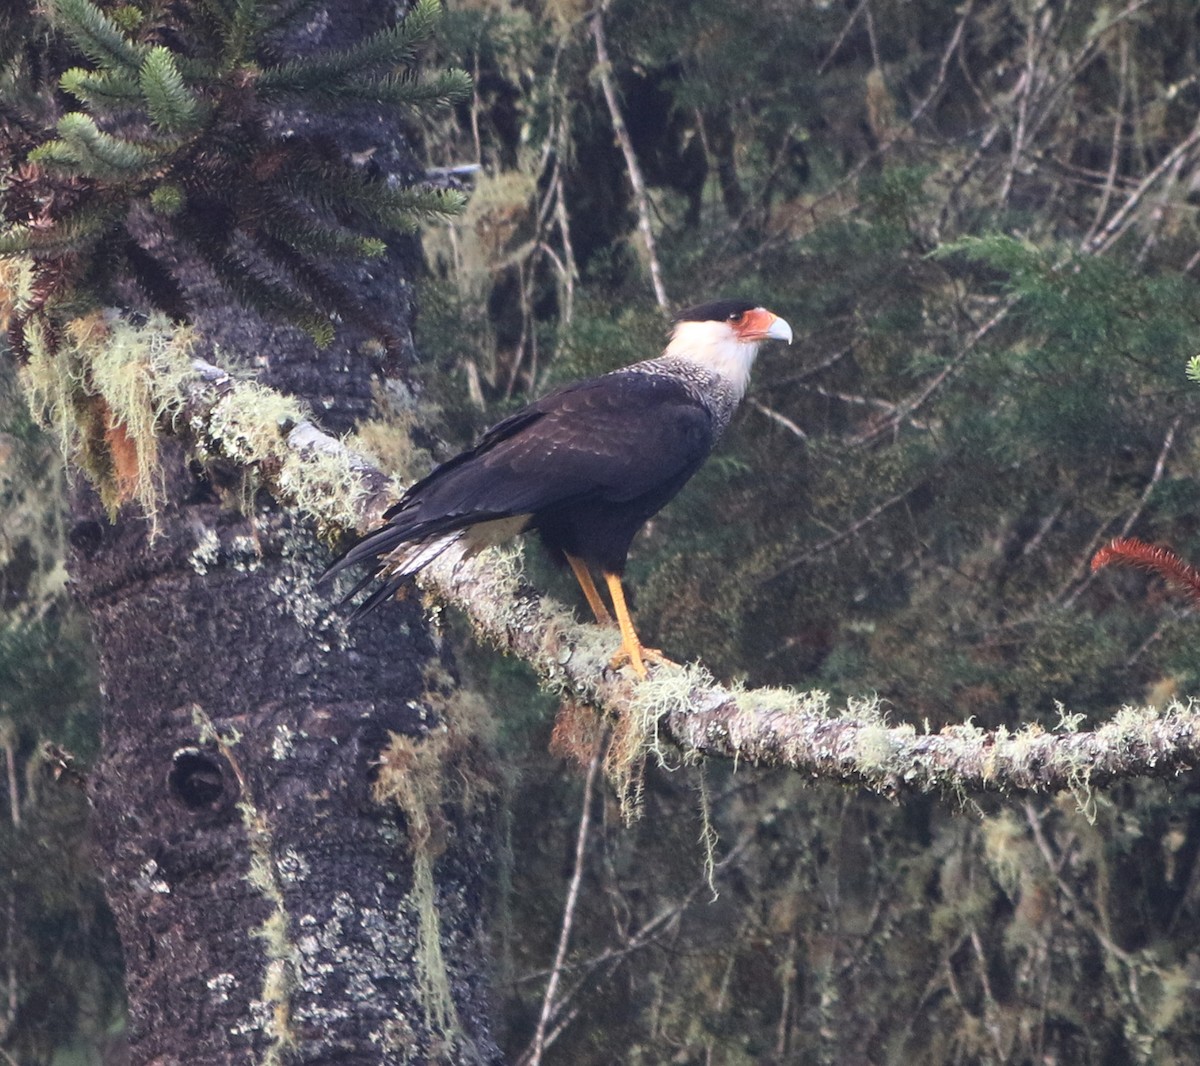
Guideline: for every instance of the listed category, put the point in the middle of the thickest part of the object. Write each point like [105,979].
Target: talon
[631,651]
[637,657]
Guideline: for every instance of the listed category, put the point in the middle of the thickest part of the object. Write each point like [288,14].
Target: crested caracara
[585,466]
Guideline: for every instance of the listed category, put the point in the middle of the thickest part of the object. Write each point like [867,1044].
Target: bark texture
[265,900]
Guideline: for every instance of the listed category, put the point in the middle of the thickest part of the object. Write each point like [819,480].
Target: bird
[586,466]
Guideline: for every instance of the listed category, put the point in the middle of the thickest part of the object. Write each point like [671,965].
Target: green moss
[411,776]
[323,484]
[1005,848]
[49,381]
[874,749]
[387,439]
[103,392]
[248,424]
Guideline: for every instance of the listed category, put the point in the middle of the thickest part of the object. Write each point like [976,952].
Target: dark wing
[614,438]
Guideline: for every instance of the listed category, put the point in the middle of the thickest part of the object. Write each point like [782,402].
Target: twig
[640,196]
[778,418]
[1064,886]
[1025,89]
[1159,212]
[10,939]
[841,37]
[907,407]
[1116,226]
[1114,154]
[564,936]
[813,369]
[840,537]
[852,398]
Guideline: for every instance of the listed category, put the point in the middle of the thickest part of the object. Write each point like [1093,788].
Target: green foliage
[989,377]
[85,150]
[79,229]
[96,35]
[184,128]
[403,90]
[101,89]
[340,74]
[60,959]
[167,199]
[973,424]
[172,108]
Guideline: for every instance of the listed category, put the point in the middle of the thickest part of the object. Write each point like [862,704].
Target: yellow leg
[631,651]
[590,592]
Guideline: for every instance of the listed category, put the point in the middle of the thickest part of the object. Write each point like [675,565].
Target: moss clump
[421,775]
[249,422]
[388,437]
[324,484]
[16,289]
[410,776]
[104,389]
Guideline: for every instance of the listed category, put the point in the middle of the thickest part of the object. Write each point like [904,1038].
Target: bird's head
[724,337]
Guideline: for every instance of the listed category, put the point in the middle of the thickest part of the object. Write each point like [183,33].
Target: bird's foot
[637,656]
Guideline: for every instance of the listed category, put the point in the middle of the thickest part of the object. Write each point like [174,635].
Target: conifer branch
[329,74]
[309,236]
[101,90]
[78,230]
[242,30]
[283,204]
[403,90]
[96,35]
[59,157]
[246,281]
[93,151]
[375,203]
[172,107]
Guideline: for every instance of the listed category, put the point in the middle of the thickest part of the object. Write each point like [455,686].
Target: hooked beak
[761,324]
[779,329]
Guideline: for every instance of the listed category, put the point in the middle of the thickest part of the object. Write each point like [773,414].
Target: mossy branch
[683,708]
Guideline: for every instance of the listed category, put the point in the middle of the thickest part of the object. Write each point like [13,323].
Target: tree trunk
[265,900]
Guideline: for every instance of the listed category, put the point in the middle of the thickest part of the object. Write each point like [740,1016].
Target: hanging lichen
[424,776]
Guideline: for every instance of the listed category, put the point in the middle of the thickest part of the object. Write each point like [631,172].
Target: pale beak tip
[780,330]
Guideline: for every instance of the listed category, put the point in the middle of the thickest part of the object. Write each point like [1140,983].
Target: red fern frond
[1129,551]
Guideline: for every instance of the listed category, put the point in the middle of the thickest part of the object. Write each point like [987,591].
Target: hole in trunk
[201,780]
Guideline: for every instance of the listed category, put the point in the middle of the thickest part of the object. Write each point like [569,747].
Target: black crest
[716,311]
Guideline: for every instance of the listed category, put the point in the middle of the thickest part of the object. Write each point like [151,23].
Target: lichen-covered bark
[264,899]
[685,707]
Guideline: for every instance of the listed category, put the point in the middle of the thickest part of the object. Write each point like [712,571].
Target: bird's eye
[736,316]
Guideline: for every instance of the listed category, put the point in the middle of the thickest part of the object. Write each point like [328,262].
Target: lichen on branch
[679,710]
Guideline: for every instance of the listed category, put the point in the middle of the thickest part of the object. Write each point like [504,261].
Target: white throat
[714,345]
